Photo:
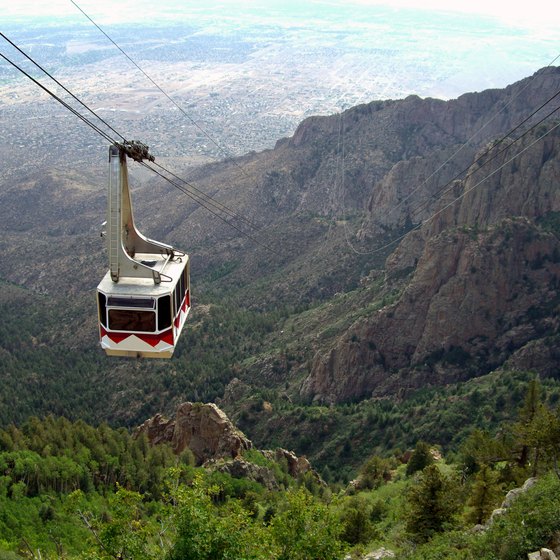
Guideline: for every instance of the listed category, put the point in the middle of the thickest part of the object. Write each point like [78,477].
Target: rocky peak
[217,444]
[202,428]
[475,297]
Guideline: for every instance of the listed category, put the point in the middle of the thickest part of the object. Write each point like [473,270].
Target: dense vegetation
[69,490]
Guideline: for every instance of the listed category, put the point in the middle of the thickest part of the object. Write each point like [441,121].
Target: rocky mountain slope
[472,286]
[484,279]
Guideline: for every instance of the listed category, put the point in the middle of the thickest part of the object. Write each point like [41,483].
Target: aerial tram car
[144,299]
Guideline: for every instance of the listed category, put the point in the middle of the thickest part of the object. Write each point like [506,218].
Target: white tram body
[140,319]
[144,299]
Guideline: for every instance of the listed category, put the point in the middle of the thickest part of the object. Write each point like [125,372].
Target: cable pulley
[135,150]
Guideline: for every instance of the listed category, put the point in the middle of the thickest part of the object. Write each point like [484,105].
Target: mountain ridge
[313,321]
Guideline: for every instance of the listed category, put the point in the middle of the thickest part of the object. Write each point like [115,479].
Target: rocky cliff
[484,280]
[202,428]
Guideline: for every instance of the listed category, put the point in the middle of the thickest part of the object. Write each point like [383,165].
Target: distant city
[242,83]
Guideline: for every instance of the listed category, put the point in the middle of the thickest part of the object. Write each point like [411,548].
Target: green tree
[206,531]
[306,529]
[542,436]
[421,457]
[356,520]
[126,534]
[526,415]
[530,521]
[481,449]
[375,472]
[432,504]
[485,495]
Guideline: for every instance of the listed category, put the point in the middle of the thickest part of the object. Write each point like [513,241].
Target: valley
[404,287]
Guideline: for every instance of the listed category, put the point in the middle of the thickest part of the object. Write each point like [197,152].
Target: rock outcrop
[296,466]
[484,279]
[511,496]
[202,428]
[474,297]
[217,444]
[378,554]
[238,468]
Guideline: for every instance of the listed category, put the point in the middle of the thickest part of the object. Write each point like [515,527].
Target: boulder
[238,468]
[542,554]
[202,428]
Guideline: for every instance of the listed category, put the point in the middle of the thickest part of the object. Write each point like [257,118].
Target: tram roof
[127,285]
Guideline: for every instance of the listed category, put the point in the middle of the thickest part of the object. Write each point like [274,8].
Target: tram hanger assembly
[144,299]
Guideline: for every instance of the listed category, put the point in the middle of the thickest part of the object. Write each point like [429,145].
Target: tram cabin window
[136,302]
[164,312]
[132,320]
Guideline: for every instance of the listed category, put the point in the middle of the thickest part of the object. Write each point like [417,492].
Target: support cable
[191,120]
[61,101]
[222,218]
[201,198]
[62,86]
[210,199]
[427,220]
[462,195]
[445,188]
[487,123]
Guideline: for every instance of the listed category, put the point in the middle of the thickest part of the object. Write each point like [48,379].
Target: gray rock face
[238,468]
[472,293]
[203,428]
[511,496]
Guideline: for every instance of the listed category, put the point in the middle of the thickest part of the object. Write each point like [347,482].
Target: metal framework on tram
[144,299]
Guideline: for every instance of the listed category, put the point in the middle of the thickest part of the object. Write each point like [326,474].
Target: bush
[306,529]
[420,458]
[375,472]
[527,526]
[356,521]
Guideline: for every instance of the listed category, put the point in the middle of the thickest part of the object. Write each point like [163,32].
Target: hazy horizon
[250,71]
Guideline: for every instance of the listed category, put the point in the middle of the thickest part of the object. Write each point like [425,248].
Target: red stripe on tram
[151,339]
[155,339]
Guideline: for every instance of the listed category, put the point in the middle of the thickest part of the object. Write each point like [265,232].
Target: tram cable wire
[447,186]
[60,100]
[204,195]
[189,184]
[21,51]
[190,119]
[466,143]
[467,191]
[202,198]
[462,195]
[194,197]
[210,199]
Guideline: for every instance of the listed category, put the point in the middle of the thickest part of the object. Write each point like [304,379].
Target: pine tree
[526,416]
[421,457]
[485,495]
[481,449]
[432,504]
[542,435]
